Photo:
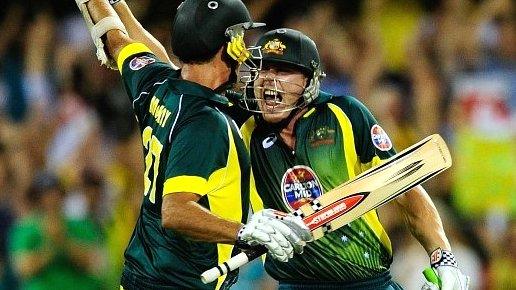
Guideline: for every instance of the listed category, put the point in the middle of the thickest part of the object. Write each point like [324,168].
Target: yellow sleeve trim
[129,50]
[193,184]
[256,201]
[247,130]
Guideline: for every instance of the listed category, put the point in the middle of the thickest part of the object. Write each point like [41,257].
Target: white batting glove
[299,233]
[445,266]
[265,229]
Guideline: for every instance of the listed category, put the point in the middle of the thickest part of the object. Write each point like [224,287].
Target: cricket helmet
[201,27]
[291,48]
[287,48]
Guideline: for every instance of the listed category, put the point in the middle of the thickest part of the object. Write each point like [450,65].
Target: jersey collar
[195,89]
[322,98]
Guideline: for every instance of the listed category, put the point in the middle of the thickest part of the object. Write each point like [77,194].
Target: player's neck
[288,133]
[211,74]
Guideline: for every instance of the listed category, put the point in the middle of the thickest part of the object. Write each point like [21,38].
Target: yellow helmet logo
[274,46]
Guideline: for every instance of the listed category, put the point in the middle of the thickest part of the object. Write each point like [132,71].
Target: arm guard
[97,30]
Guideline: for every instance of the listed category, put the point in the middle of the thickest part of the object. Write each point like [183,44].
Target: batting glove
[299,234]
[265,229]
[445,266]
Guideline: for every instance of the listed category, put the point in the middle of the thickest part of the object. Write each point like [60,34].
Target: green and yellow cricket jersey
[336,139]
[189,145]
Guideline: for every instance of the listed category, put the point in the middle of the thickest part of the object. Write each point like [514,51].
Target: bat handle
[233,263]
[432,277]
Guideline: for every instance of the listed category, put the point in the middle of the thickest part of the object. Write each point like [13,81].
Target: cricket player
[304,142]
[196,180]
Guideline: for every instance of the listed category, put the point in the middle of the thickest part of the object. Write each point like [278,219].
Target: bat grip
[233,263]
[432,277]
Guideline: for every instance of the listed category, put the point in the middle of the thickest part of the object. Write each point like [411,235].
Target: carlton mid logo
[300,185]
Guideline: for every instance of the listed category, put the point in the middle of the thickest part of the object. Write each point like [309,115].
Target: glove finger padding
[452,278]
[293,239]
[264,231]
[295,231]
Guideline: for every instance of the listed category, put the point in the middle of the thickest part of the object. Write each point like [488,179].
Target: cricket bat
[364,193]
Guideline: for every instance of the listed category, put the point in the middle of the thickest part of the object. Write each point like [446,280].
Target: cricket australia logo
[300,185]
[274,46]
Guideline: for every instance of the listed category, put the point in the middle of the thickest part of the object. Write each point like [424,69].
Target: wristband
[441,257]
[112,2]
[239,243]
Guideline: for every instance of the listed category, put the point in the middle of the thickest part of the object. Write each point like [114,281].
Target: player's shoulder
[347,108]
[206,118]
[347,103]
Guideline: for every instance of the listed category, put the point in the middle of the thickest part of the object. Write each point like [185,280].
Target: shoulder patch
[380,138]
[140,62]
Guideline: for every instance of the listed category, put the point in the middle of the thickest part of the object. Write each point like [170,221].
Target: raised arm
[108,33]
[137,32]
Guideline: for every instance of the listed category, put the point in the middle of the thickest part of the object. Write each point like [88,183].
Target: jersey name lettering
[160,112]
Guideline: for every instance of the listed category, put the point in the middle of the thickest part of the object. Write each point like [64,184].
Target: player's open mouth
[272,98]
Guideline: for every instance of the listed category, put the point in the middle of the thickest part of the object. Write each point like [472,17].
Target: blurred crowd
[71,157]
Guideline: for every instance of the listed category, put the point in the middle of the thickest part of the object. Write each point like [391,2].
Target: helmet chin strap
[283,123]
[233,65]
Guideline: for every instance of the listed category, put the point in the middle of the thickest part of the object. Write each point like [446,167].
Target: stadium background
[422,67]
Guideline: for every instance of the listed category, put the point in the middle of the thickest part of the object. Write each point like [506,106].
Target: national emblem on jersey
[140,62]
[322,136]
[274,46]
[380,138]
[300,185]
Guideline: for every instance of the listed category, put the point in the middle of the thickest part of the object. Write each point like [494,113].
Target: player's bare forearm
[423,219]
[181,212]
[115,40]
[138,32]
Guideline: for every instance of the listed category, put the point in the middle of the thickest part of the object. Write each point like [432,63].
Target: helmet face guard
[249,57]
[269,99]
[256,95]
[282,48]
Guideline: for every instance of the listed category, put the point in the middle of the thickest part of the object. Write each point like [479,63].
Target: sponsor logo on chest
[300,185]
[269,141]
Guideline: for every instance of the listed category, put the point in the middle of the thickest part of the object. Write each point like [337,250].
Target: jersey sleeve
[372,143]
[140,70]
[198,156]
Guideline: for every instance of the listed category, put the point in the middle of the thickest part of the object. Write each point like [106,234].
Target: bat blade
[375,187]
[367,191]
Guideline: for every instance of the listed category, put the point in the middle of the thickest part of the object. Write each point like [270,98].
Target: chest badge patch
[321,136]
[140,62]
[300,185]
[380,138]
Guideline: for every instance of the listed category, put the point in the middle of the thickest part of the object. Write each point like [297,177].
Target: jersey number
[154,147]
